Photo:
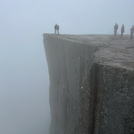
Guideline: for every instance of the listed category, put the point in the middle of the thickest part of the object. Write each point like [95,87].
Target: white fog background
[24,80]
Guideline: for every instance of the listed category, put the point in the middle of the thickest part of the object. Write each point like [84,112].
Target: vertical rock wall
[87,97]
[113,100]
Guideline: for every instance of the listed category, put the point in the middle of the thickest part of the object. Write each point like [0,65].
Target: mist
[24,79]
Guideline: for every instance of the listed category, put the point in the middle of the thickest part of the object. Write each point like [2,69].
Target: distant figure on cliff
[131,32]
[122,30]
[115,29]
[56,27]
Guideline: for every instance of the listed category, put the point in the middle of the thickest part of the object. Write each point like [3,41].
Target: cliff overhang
[91,83]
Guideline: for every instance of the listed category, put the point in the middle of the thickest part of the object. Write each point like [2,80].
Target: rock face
[91,84]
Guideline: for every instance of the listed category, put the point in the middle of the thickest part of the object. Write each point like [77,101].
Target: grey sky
[24,80]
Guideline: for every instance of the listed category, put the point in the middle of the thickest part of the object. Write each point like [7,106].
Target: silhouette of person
[56,27]
[131,32]
[122,30]
[115,29]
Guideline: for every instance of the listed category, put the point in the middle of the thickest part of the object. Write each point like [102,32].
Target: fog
[24,79]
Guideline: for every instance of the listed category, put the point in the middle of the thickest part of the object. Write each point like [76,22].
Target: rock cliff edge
[91,84]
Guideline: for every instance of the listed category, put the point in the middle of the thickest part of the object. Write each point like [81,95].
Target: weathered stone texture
[91,84]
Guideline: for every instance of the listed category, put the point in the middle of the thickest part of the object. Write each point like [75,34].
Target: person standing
[56,27]
[131,32]
[115,29]
[122,30]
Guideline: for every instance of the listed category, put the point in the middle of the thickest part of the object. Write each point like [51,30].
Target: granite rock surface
[91,83]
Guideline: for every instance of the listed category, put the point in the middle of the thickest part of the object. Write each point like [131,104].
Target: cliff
[91,84]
